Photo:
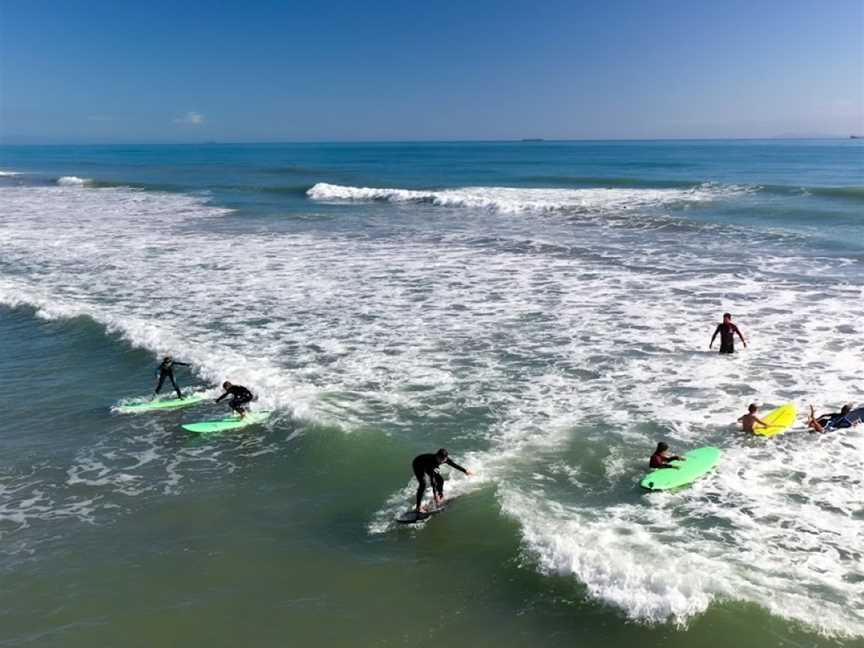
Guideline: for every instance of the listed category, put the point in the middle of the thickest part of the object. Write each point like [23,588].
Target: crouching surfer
[661,457]
[429,464]
[240,396]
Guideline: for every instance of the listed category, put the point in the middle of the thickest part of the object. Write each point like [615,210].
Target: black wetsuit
[239,397]
[167,371]
[836,421]
[727,336]
[428,464]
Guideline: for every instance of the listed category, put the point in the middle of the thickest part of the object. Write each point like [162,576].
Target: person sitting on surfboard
[429,464]
[750,419]
[834,421]
[166,370]
[727,330]
[239,397]
[661,457]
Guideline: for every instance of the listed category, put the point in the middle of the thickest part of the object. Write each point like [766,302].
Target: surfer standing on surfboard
[239,397]
[429,464]
[166,370]
[727,330]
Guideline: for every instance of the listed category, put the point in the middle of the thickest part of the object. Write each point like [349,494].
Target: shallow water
[543,310]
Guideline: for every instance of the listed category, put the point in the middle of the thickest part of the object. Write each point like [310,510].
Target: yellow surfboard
[778,420]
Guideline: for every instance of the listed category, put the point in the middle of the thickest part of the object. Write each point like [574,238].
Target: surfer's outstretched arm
[452,463]
[714,337]
[438,487]
[738,331]
[814,423]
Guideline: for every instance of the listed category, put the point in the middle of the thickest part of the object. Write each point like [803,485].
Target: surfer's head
[226,385]
[727,317]
[845,409]
[662,446]
[753,408]
[442,455]
[167,360]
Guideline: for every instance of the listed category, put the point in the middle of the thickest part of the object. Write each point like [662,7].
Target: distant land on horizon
[810,136]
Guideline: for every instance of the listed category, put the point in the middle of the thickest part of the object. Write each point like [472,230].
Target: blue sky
[100,71]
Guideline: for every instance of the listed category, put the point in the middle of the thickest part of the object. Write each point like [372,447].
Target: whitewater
[550,336]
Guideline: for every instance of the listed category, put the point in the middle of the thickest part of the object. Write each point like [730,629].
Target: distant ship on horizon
[856,137]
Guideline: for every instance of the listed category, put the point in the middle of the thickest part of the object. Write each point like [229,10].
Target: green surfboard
[164,404]
[698,462]
[230,423]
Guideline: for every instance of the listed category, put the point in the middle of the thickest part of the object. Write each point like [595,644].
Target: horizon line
[524,140]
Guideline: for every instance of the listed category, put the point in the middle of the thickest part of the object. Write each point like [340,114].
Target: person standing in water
[240,396]
[166,370]
[429,464]
[727,331]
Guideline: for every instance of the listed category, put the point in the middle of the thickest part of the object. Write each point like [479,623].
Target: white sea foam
[72,181]
[575,344]
[515,200]
[5,174]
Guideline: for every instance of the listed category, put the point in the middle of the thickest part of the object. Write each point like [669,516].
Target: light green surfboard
[698,462]
[230,423]
[149,406]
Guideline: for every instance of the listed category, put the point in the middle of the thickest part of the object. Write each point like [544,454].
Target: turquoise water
[541,309]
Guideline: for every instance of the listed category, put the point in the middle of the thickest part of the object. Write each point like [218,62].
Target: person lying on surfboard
[166,370]
[240,396]
[835,420]
[661,457]
[749,420]
[727,331]
[429,464]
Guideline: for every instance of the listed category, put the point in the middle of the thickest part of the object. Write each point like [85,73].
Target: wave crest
[515,200]
[73,181]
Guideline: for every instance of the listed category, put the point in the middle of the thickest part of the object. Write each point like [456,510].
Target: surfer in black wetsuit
[727,331]
[429,464]
[833,421]
[240,396]
[166,370]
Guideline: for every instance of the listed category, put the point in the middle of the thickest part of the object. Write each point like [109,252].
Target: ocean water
[542,309]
